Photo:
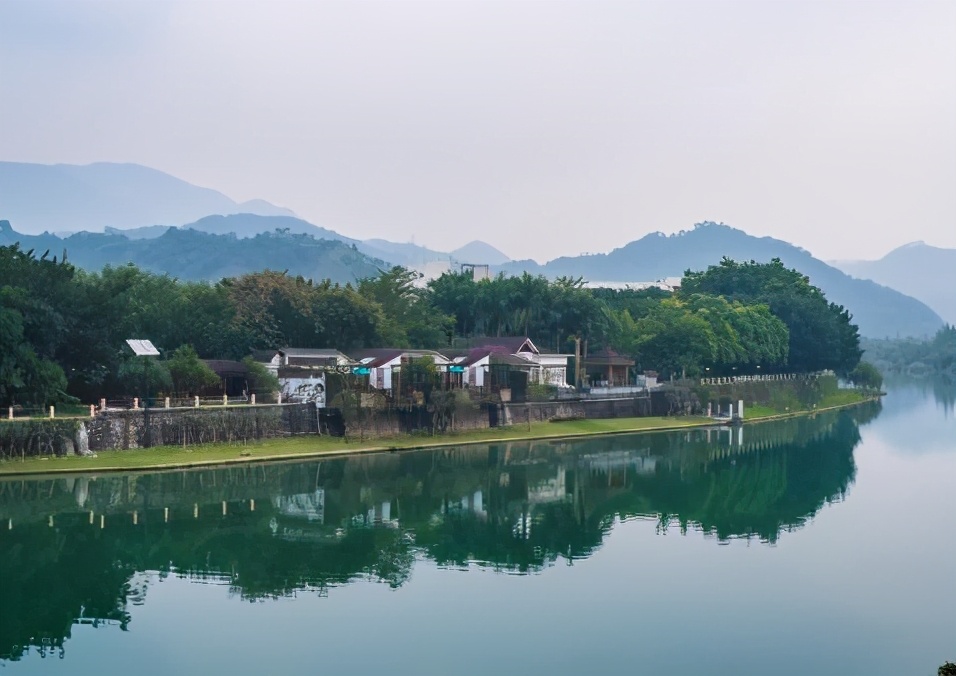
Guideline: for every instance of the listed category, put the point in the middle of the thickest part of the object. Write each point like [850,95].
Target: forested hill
[878,311]
[193,255]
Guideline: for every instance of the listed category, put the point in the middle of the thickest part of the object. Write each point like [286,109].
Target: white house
[550,368]
[382,362]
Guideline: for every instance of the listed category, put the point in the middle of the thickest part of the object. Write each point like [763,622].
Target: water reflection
[74,550]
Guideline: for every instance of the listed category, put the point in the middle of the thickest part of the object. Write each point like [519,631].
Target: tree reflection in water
[271,530]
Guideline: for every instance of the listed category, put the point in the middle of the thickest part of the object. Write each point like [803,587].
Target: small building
[301,356]
[301,371]
[233,377]
[607,368]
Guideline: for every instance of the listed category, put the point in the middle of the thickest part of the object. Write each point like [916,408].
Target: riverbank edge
[345,452]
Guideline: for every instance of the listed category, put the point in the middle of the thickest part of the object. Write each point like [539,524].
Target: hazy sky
[544,128]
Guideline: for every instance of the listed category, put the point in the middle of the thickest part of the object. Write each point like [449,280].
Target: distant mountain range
[879,311]
[131,210]
[925,272]
[141,203]
[69,197]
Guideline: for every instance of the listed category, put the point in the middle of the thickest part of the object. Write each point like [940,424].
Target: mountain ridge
[879,311]
[56,197]
[917,269]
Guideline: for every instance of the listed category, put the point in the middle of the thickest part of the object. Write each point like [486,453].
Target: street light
[144,348]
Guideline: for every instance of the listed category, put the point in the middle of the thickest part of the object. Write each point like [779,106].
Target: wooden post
[10,413]
[135,403]
[92,411]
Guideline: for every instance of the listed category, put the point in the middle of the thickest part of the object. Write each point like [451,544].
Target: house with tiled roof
[550,368]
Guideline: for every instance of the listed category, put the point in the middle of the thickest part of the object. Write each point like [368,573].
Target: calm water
[824,546]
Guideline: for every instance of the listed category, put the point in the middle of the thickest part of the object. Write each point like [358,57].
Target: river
[821,546]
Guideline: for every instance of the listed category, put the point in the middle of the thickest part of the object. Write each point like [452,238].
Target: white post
[167,402]
[52,413]
[740,409]
[102,404]
[225,400]
[197,401]
[92,411]
[135,403]
[252,399]
[10,413]
[280,396]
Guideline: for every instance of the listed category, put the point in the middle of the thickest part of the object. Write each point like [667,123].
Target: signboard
[456,369]
[142,348]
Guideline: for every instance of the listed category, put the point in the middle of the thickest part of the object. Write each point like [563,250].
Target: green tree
[867,376]
[821,334]
[261,380]
[189,373]
[409,317]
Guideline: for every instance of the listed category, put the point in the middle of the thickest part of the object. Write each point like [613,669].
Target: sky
[544,128]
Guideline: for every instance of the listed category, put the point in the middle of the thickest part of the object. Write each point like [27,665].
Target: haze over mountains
[878,310]
[69,197]
[136,206]
[919,270]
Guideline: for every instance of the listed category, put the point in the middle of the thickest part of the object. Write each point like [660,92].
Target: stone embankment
[129,429]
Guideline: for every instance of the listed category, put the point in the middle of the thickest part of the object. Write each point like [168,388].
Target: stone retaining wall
[127,429]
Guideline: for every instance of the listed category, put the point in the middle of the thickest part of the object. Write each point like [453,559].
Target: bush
[541,392]
[867,376]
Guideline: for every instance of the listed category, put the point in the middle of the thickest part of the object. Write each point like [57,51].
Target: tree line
[63,330]
[909,356]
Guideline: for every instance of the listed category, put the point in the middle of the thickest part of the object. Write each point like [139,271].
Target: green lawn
[834,400]
[756,412]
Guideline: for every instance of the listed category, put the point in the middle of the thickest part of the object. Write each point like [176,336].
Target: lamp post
[145,349]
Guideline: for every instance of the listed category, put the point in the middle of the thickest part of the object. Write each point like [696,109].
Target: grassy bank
[171,457]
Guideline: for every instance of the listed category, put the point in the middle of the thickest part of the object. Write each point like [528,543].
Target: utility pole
[577,362]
